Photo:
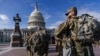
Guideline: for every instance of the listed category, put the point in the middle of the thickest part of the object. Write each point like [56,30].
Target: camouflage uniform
[86,34]
[58,39]
[67,29]
[28,45]
[58,46]
[42,45]
[73,28]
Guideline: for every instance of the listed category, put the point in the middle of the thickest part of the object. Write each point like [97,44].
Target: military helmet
[71,9]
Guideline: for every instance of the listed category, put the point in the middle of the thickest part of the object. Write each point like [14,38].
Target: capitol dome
[36,19]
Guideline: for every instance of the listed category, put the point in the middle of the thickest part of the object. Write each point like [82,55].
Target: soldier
[77,34]
[87,28]
[65,31]
[28,45]
[58,41]
[43,41]
[38,41]
[73,28]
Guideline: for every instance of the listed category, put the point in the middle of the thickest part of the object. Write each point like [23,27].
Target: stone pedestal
[16,40]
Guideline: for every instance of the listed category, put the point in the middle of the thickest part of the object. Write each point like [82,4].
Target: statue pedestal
[16,40]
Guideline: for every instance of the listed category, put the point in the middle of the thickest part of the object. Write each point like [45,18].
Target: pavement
[21,51]
[97,50]
[6,50]
[14,52]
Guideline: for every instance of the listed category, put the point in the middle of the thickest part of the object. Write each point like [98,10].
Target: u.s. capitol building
[35,20]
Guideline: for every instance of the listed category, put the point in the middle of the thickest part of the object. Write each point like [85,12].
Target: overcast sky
[53,10]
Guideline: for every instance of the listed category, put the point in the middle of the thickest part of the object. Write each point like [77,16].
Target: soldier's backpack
[88,28]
